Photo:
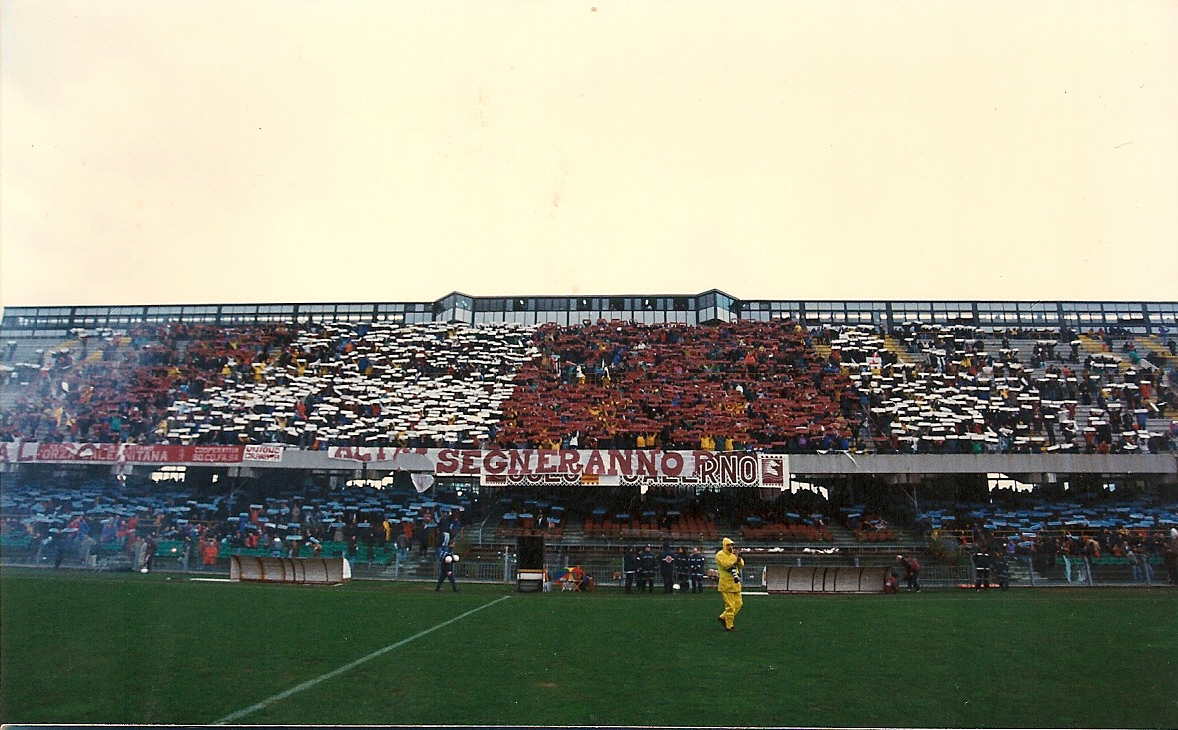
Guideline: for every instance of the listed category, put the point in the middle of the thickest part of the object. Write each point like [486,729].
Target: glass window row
[706,307]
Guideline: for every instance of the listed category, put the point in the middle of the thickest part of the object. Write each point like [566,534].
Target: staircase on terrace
[1154,344]
[1095,347]
[898,350]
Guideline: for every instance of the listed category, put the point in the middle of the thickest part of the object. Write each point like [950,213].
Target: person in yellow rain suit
[728,565]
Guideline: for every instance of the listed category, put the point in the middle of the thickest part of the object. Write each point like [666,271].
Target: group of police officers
[680,570]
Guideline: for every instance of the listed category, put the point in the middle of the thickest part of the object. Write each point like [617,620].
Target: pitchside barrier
[320,571]
[789,579]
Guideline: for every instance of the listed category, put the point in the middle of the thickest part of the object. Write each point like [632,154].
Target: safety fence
[607,572]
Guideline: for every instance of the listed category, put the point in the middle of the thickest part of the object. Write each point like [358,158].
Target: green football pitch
[123,648]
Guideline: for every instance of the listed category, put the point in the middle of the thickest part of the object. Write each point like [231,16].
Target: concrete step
[898,350]
[1154,344]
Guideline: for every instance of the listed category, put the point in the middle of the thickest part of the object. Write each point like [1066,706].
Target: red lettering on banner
[470,461]
[351,453]
[748,469]
[672,465]
[706,466]
[617,464]
[542,465]
[570,462]
[447,462]
[727,468]
[494,462]
[595,465]
[646,465]
[148,454]
[77,452]
[55,451]
[518,461]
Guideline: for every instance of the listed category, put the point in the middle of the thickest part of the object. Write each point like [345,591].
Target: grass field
[122,648]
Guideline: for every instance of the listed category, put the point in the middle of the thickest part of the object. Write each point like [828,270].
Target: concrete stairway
[1155,345]
[896,348]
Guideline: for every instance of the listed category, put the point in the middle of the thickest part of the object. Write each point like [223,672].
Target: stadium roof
[710,306]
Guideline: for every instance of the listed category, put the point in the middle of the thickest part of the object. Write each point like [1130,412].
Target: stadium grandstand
[815,432]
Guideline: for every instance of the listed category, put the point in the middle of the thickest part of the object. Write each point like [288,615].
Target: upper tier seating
[723,387]
[363,385]
[732,386]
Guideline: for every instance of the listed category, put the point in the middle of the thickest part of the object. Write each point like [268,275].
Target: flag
[422,482]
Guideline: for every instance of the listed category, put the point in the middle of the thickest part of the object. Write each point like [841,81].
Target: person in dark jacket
[648,564]
[667,568]
[629,568]
[681,579]
[447,562]
[911,572]
[981,565]
[695,569]
[1000,564]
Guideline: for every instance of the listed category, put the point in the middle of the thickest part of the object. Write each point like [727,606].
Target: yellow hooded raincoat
[727,562]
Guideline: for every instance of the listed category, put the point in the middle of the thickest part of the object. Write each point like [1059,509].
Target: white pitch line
[233,717]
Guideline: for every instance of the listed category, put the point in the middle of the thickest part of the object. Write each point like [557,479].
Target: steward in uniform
[667,568]
[695,569]
[681,569]
[647,565]
[629,567]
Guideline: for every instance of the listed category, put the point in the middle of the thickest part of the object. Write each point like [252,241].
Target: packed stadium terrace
[744,385]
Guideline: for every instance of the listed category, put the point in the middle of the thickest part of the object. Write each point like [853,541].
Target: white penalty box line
[234,716]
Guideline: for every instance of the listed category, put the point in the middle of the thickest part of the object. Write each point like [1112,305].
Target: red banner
[137,453]
[78,452]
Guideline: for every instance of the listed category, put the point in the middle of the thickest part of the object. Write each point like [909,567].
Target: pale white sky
[249,151]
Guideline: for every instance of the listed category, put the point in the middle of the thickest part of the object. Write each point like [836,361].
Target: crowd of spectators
[110,518]
[961,391]
[1053,533]
[98,518]
[377,384]
[124,390]
[724,387]
[743,385]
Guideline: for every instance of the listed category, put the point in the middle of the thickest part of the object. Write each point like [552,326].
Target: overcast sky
[248,151]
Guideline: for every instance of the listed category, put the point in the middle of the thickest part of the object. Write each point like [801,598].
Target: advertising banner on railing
[603,467]
[262,452]
[12,452]
[590,467]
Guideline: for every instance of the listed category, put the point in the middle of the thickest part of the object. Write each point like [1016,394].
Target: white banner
[596,467]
